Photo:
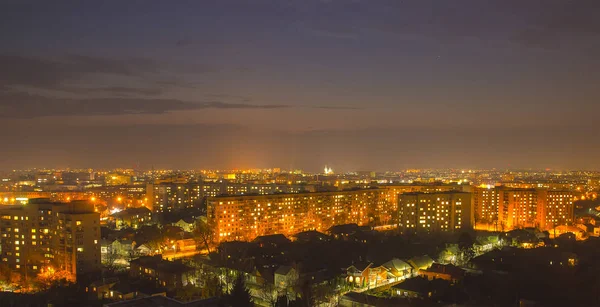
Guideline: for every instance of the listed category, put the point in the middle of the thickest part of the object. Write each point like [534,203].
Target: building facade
[435,212]
[389,208]
[42,234]
[247,217]
[174,196]
[485,204]
[504,208]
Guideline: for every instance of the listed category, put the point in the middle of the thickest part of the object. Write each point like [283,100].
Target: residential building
[485,204]
[558,208]
[285,277]
[504,208]
[43,234]
[171,274]
[247,217]
[393,191]
[447,272]
[168,197]
[435,212]
[187,224]
[113,179]
[132,218]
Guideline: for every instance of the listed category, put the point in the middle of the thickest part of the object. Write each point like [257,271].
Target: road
[177,255]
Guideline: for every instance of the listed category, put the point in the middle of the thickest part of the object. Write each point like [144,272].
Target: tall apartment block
[43,234]
[247,217]
[435,212]
[504,208]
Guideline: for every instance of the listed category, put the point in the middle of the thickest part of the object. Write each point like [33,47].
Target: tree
[269,294]
[204,234]
[239,295]
[465,246]
[188,292]
[306,296]
[50,277]
[109,261]
[9,279]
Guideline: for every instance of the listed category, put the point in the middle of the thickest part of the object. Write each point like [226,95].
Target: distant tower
[328,171]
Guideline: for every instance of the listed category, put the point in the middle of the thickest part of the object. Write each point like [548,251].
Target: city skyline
[300,84]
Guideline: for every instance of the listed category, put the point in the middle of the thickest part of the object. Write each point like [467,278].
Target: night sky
[358,85]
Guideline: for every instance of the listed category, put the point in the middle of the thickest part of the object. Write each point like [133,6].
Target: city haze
[358,85]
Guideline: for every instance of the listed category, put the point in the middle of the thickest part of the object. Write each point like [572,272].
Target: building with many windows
[167,197]
[504,208]
[485,204]
[518,208]
[247,217]
[43,234]
[435,212]
[174,196]
[558,208]
[389,208]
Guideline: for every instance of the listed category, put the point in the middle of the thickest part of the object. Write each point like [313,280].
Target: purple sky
[359,85]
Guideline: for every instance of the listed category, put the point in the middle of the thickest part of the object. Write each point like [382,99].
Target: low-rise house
[447,272]
[420,262]
[132,218]
[398,270]
[171,274]
[310,236]
[143,250]
[285,277]
[517,259]
[419,287]
[185,245]
[124,291]
[412,288]
[101,289]
[187,224]
[105,249]
[274,241]
[365,275]
[123,247]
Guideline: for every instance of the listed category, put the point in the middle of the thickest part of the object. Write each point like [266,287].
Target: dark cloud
[31,71]
[177,83]
[19,105]
[337,108]
[126,67]
[558,24]
[546,24]
[116,91]
[50,73]
[229,96]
